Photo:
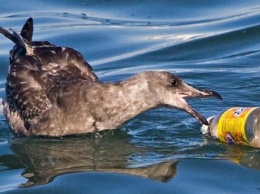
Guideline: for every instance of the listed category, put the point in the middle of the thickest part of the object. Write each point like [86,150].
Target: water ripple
[209,44]
[85,19]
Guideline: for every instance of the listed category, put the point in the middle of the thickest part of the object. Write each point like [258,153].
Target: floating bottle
[237,125]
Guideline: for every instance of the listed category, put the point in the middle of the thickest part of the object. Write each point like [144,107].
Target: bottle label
[231,126]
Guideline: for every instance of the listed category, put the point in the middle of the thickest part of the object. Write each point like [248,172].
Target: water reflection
[245,156]
[44,159]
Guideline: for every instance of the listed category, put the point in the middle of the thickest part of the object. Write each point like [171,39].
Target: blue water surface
[210,44]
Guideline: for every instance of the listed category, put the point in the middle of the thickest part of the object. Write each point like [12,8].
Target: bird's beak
[190,92]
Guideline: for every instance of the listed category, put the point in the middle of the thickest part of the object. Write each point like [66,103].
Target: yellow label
[231,126]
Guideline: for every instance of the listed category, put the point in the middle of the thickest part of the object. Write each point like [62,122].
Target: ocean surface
[210,44]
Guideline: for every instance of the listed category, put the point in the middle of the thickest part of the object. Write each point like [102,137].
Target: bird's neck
[123,101]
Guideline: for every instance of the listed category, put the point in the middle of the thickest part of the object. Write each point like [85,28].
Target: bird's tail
[27,30]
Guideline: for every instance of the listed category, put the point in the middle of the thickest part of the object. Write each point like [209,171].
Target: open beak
[190,92]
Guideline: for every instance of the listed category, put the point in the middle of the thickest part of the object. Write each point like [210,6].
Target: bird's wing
[31,77]
[66,59]
[25,90]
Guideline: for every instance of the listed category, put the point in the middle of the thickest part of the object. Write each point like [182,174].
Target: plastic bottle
[237,125]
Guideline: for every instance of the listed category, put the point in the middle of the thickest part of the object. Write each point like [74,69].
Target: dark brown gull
[53,91]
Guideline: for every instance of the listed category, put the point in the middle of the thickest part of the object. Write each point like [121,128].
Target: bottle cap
[205,128]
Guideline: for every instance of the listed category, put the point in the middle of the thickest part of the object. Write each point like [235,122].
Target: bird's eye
[173,82]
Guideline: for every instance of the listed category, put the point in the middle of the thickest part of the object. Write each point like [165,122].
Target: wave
[85,19]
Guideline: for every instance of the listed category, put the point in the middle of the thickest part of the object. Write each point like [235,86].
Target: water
[210,44]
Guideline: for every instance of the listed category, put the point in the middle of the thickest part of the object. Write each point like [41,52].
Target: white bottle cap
[205,128]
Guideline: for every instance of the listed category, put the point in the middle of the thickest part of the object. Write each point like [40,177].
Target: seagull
[53,91]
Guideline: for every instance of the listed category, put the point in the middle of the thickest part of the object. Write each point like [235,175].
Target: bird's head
[171,91]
